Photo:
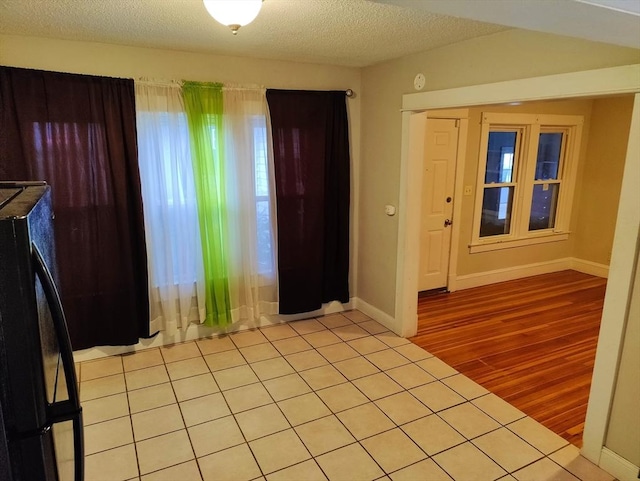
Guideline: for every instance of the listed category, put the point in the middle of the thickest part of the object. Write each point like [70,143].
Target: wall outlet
[468,190]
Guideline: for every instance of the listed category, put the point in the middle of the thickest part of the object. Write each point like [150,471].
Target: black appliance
[41,437]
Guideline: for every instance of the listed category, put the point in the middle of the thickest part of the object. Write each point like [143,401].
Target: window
[170,211]
[169,170]
[526,175]
[263,203]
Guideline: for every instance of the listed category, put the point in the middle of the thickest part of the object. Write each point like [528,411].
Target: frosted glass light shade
[233,13]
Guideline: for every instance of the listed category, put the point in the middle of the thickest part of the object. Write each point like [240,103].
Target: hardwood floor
[530,341]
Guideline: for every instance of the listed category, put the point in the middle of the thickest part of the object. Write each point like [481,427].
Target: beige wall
[602,178]
[123,61]
[623,436]
[508,55]
[120,60]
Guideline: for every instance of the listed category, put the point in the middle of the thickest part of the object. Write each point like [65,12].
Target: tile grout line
[313,391]
[297,372]
[234,414]
[175,395]
[350,381]
[133,434]
[332,413]
[261,381]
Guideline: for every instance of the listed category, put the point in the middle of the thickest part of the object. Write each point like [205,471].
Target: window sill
[522,242]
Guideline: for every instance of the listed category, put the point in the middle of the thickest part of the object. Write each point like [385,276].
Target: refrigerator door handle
[69,409]
[62,411]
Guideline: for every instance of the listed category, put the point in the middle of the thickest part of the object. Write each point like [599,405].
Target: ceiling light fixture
[233,13]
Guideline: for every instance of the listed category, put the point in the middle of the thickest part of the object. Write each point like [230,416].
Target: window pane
[263,225]
[500,157]
[548,163]
[496,211]
[170,208]
[265,248]
[260,156]
[543,206]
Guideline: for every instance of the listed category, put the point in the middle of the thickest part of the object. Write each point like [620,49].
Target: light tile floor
[338,397]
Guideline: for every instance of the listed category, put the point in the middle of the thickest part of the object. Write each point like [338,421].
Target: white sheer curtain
[250,191]
[174,252]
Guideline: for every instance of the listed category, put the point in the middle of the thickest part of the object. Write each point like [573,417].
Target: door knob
[449,199]
[447,222]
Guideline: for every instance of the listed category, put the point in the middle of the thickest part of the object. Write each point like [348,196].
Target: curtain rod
[158,82]
[150,81]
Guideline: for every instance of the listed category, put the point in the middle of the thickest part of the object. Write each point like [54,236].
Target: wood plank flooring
[530,341]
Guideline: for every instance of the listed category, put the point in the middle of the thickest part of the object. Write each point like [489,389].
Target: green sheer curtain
[203,104]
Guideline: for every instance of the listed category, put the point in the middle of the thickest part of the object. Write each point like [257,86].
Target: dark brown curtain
[78,133]
[311,152]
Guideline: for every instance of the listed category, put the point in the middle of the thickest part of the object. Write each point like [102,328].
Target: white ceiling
[340,32]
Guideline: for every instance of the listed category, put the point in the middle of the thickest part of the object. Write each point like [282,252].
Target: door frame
[601,82]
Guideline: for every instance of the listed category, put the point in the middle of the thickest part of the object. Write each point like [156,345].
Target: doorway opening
[619,80]
[488,326]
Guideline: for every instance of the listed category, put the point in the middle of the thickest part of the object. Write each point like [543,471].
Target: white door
[441,142]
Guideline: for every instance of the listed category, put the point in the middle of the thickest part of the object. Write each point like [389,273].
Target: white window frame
[529,127]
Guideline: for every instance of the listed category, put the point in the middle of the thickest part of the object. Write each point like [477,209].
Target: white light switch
[390,209]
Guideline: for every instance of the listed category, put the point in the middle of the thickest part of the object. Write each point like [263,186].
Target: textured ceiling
[340,32]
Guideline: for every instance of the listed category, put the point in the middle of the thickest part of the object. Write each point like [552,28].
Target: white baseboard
[376,314]
[510,273]
[518,272]
[198,331]
[588,267]
[617,466]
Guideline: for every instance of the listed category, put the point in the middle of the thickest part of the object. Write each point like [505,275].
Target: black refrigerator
[41,437]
